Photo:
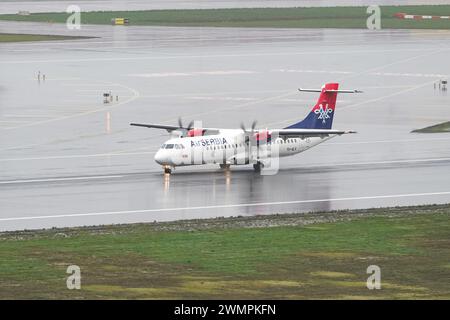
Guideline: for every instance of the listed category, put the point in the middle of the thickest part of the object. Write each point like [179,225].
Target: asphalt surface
[118,5]
[62,164]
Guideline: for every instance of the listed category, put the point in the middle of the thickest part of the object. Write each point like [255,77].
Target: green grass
[441,127]
[325,17]
[13,37]
[224,259]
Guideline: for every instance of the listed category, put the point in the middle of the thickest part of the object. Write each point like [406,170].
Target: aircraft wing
[157,126]
[205,131]
[309,132]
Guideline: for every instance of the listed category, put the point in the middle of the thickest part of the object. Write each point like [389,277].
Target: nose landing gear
[224,166]
[167,169]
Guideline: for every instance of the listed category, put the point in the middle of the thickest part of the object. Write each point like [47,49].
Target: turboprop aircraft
[196,145]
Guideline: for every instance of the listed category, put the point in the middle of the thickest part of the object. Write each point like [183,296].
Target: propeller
[245,130]
[180,124]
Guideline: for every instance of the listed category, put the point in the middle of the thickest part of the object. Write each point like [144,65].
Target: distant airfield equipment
[120,21]
[23,13]
[442,85]
[401,15]
[106,96]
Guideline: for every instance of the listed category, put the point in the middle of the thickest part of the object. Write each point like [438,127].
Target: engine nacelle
[263,136]
[196,132]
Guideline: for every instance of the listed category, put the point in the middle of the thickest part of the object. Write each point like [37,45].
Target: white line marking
[225,206]
[59,179]
[379,162]
[384,141]
[426,75]
[222,98]
[294,53]
[358,104]
[26,116]
[160,75]
[186,74]
[13,121]
[78,156]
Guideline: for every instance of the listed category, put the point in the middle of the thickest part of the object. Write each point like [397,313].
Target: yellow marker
[120,21]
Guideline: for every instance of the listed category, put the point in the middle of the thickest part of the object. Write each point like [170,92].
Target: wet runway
[67,159]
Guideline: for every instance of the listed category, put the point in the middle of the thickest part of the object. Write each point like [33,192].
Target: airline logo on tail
[324,113]
[321,115]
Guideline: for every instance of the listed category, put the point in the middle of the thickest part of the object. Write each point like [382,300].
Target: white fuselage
[231,147]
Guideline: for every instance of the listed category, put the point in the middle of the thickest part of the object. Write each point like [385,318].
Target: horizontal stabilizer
[309,132]
[329,90]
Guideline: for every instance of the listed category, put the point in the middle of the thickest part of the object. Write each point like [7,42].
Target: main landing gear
[224,166]
[258,166]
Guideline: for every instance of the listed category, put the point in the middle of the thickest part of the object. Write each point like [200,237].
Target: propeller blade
[180,122]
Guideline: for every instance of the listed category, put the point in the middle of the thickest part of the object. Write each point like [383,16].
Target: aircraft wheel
[224,166]
[258,166]
[167,170]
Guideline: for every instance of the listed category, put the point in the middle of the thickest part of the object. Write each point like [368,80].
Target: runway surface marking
[80,156]
[26,116]
[425,75]
[237,55]
[71,116]
[60,179]
[371,70]
[24,181]
[383,141]
[407,195]
[388,95]
[186,74]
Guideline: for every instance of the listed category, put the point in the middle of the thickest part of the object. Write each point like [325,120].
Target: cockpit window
[172,146]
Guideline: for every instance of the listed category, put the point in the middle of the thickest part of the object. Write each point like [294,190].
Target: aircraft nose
[159,157]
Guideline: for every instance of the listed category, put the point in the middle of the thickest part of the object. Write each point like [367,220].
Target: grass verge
[317,255]
[323,17]
[438,128]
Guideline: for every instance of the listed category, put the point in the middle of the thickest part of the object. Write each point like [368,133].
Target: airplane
[195,145]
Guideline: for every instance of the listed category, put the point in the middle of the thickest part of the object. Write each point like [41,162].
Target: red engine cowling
[195,132]
[263,136]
